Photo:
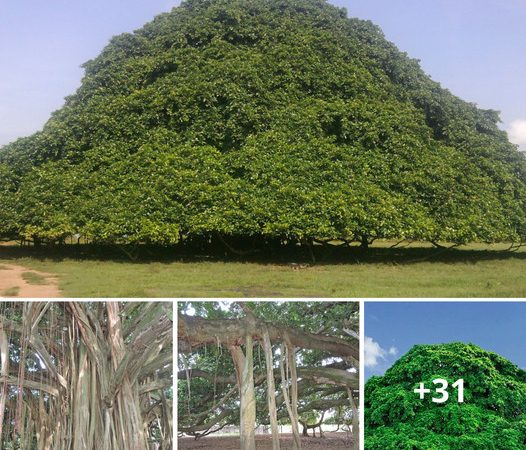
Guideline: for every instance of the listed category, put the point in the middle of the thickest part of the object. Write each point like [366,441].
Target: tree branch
[195,332]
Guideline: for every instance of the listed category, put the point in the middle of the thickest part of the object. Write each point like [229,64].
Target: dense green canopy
[278,119]
[493,415]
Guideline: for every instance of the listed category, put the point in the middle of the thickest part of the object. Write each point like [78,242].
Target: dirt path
[18,281]
[331,441]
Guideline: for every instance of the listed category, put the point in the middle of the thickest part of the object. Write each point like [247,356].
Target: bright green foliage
[272,119]
[493,415]
[8,212]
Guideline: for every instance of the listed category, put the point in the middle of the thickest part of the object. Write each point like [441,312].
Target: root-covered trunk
[88,379]
[244,364]
[271,391]
[290,393]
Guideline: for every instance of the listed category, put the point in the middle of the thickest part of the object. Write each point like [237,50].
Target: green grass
[34,278]
[475,271]
[11,292]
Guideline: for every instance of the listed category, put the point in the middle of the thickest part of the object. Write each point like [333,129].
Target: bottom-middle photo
[268,373]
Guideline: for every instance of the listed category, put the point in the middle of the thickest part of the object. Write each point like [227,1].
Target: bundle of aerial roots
[90,375]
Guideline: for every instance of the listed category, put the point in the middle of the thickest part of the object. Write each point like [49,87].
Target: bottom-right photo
[445,375]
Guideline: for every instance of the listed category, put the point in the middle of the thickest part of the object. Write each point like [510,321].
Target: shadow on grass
[291,255]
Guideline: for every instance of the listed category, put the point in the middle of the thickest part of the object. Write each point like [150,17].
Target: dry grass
[11,292]
[34,278]
[416,271]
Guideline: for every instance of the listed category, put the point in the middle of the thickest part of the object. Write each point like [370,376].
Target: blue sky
[392,328]
[473,47]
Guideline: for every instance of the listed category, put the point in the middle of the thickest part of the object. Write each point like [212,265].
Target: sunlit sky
[475,48]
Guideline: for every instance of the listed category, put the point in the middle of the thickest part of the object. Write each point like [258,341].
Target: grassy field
[475,271]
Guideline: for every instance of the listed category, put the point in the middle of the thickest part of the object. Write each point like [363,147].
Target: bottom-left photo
[86,375]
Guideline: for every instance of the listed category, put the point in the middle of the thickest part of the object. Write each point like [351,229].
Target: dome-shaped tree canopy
[272,119]
[492,416]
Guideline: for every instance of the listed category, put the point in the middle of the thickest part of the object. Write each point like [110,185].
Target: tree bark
[291,353]
[87,397]
[364,242]
[355,421]
[244,365]
[4,371]
[195,332]
[127,409]
[293,412]
[271,391]
[320,375]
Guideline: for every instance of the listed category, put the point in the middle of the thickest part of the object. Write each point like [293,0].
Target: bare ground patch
[18,281]
[332,441]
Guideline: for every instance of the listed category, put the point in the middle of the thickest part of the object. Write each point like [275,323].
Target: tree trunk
[4,372]
[309,243]
[88,394]
[355,421]
[271,391]
[126,410]
[291,352]
[291,409]
[364,242]
[244,365]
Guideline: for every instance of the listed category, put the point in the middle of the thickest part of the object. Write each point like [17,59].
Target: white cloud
[393,351]
[517,132]
[373,352]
